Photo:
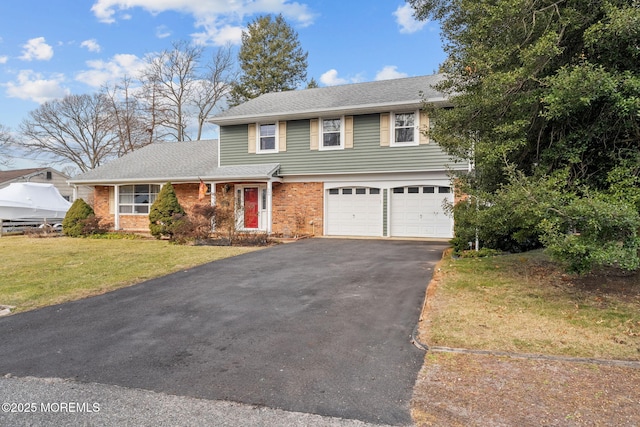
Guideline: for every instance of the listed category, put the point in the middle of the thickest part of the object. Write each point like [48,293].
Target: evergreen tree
[166,213]
[270,58]
[74,220]
[546,95]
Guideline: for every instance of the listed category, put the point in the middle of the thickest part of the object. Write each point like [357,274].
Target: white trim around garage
[417,212]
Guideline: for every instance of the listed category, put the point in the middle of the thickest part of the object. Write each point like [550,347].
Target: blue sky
[51,48]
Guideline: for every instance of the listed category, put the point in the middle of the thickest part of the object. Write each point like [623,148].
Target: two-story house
[345,160]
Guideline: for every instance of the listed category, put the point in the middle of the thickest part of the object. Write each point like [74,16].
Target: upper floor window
[332,134]
[137,199]
[267,135]
[405,127]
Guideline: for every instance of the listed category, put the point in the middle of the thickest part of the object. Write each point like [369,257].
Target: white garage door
[416,211]
[354,211]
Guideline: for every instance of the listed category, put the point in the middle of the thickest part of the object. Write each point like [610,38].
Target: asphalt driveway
[319,326]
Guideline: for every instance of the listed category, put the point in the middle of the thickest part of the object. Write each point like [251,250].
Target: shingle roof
[344,99]
[17,173]
[172,161]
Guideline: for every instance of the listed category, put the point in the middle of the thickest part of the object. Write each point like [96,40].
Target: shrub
[93,225]
[594,232]
[166,213]
[482,253]
[73,223]
[196,226]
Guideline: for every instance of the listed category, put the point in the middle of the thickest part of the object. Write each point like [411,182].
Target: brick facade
[102,206]
[298,208]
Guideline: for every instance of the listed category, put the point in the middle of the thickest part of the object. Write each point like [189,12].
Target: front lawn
[524,303]
[36,272]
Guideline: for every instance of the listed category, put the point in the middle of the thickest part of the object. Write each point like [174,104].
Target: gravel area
[484,390]
[46,402]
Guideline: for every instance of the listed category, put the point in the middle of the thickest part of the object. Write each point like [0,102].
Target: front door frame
[264,206]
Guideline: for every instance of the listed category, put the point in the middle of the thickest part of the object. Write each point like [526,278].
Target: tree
[130,120]
[178,90]
[5,141]
[169,81]
[214,84]
[74,220]
[78,128]
[271,59]
[166,213]
[541,87]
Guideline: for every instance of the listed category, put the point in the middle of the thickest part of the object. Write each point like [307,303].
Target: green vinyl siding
[366,155]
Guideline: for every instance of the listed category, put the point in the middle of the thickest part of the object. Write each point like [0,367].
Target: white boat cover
[30,200]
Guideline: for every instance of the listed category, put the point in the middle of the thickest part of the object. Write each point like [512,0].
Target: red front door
[251,207]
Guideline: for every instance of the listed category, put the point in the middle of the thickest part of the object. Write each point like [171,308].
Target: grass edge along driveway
[37,272]
[523,303]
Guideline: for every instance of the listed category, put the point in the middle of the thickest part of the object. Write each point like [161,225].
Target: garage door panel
[420,214]
[353,211]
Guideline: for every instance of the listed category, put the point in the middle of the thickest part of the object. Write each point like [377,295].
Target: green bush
[74,221]
[594,232]
[583,230]
[482,253]
[166,214]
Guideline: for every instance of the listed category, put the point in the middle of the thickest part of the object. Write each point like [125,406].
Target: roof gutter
[184,179]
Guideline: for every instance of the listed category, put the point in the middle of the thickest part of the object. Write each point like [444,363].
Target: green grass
[36,272]
[524,303]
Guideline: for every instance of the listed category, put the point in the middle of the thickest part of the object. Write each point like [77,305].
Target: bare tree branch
[169,81]
[214,85]
[6,139]
[77,128]
[131,120]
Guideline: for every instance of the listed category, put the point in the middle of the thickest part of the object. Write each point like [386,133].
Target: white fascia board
[159,180]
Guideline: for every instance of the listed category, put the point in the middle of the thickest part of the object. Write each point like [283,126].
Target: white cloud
[220,19]
[390,72]
[4,59]
[102,72]
[330,78]
[33,86]
[405,19]
[219,36]
[162,32]
[92,45]
[37,49]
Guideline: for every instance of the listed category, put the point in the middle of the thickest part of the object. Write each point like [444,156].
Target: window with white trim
[267,138]
[404,129]
[331,134]
[137,199]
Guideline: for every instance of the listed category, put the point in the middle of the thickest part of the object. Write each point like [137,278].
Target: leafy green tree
[74,221]
[271,59]
[166,213]
[538,88]
[543,85]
